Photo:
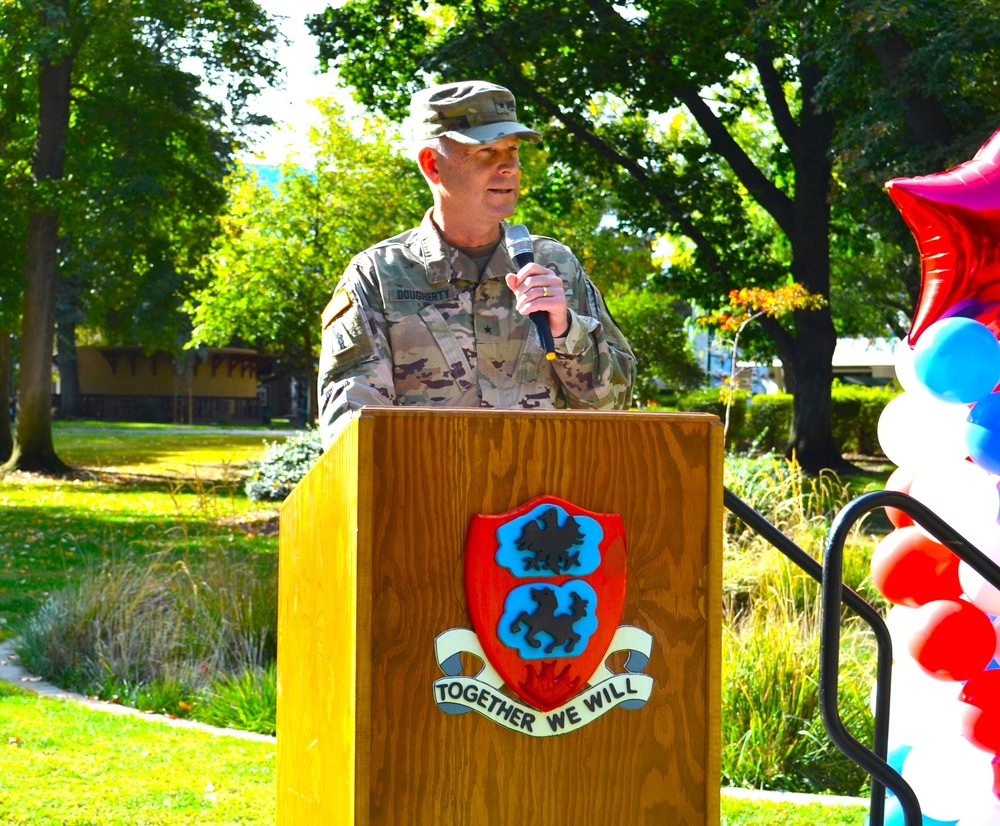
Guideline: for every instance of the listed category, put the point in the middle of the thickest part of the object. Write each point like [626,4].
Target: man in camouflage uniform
[438,316]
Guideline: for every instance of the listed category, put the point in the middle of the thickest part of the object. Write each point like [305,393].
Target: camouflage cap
[470,112]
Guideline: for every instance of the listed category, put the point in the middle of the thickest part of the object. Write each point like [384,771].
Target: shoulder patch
[340,302]
[346,337]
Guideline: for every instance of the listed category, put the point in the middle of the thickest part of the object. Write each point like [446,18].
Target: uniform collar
[437,253]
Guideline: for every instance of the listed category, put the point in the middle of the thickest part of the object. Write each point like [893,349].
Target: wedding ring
[545,292]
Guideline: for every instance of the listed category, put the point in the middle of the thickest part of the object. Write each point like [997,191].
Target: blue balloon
[892,814]
[982,434]
[957,360]
[895,758]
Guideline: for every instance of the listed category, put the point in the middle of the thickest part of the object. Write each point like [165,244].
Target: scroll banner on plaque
[459,694]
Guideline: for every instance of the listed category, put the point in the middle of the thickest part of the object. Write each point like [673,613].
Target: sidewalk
[795,798]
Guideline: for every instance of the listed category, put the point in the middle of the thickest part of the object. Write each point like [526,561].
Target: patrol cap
[470,112]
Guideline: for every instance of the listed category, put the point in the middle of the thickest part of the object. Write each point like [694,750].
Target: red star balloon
[955,218]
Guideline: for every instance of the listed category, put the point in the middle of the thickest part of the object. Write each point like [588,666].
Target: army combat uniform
[412,323]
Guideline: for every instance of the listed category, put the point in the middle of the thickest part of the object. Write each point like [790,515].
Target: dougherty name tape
[457,694]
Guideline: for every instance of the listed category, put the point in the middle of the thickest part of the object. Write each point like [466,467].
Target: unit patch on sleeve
[345,335]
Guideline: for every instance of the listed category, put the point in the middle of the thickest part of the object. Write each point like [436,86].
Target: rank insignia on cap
[338,304]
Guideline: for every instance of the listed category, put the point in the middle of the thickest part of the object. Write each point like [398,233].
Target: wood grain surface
[371,571]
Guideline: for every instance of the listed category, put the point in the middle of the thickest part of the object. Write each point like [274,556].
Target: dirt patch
[870,464]
[253,523]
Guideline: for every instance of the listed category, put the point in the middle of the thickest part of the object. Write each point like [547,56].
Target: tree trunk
[69,376]
[808,359]
[927,122]
[809,374]
[6,442]
[311,380]
[33,448]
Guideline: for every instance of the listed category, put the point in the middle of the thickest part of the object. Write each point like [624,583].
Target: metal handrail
[859,605]
[874,761]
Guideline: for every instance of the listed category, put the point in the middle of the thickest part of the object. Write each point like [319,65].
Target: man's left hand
[540,289]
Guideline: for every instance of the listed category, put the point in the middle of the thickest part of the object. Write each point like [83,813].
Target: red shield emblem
[545,585]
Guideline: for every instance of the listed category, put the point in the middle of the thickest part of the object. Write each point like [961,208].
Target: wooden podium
[372,555]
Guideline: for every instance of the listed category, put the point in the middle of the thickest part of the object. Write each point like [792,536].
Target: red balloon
[981,716]
[981,727]
[982,690]
[910,568]
[952,640]
[955,218]
[899,481]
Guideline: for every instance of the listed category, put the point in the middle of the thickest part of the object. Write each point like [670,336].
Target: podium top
[377,411]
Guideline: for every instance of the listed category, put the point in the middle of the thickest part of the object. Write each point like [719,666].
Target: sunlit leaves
[748,303]
[282,249]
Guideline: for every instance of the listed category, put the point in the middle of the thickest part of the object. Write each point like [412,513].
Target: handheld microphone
[518,241]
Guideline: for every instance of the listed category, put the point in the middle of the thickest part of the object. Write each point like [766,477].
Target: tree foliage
[127,156]
[282,249]
[749,130]
[560,202]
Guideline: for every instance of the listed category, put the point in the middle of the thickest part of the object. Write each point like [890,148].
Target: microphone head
[518,241]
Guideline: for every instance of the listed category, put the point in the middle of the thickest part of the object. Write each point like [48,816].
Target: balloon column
[943,434]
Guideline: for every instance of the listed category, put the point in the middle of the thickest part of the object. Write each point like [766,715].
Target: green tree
[77,54]
[148,166]
[734,124]
[15,157]
[282,250]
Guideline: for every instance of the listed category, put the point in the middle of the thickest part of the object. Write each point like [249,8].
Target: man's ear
[427,160]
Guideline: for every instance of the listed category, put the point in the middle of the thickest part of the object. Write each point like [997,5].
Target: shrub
[855,412]
[157,634]
[764,421]
[247,701]
[773,734]
[282,466]
[768,420]
[772,730]
[801,507]
[714,400]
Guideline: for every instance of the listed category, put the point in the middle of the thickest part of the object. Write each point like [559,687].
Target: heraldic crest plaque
[545,588]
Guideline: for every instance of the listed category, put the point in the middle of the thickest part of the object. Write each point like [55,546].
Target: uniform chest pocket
[428,363]
[532,366]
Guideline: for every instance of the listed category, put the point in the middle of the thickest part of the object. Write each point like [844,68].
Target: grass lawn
[767,813]
[138,490]
[166,451]
[62,763]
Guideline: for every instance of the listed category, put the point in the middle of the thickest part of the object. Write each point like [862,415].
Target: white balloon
[900,622]
[950,776]
[921,707]
[915,429]
[963,495]
[988,815]
[905,372]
